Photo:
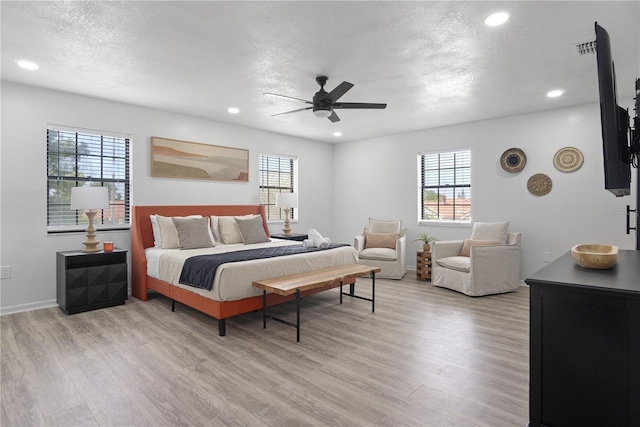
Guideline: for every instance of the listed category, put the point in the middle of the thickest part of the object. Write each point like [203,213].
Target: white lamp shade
[88,198]
[286,200]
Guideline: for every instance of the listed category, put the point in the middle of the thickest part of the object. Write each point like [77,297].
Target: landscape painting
[171,158]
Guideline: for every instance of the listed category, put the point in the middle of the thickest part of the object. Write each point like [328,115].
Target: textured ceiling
[433,63]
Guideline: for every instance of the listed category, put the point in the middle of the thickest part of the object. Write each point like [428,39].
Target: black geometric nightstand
[88,281]
[292,236]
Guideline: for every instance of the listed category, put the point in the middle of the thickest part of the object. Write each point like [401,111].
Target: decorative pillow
[252,230]
[384,226]
[229,230]
[193,233]
[168,233]
[380,240]
[468,243]
[496,231]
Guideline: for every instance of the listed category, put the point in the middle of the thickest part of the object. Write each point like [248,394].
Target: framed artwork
[172,158]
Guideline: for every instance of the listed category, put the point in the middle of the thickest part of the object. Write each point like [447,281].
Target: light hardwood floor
[426,357]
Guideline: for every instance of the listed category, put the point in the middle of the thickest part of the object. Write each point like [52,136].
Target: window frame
[294,214]
[120,143]
[422,188]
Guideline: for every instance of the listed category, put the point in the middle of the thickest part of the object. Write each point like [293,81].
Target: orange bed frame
[142,237]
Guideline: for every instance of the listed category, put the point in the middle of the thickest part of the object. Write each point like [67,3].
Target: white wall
[373,178]
[26,111]
[378,178]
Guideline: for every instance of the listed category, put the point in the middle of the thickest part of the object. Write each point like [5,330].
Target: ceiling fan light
[322,113]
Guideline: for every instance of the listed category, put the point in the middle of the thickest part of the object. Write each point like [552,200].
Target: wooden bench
[296,283]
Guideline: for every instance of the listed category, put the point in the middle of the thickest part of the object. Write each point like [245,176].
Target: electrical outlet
[546,256]
[5,272]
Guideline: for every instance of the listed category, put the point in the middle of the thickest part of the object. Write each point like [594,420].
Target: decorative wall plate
[513,160]
[539,184]
[568,159]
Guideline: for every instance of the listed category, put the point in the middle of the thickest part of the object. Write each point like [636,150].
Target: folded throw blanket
[316,240]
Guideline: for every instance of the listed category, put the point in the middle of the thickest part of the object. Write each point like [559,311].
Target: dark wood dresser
[585,344]
[88,281]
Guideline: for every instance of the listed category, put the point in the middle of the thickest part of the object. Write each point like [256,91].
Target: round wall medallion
[513,160]
[539,184]
[568,159]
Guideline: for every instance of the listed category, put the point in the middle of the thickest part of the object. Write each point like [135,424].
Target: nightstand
[292,236]
[88,281]
[423,266]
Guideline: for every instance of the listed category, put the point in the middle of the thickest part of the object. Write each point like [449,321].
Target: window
[75,159]
[445,191]
[277,175]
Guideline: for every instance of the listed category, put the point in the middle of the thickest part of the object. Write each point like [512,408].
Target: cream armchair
[490,268]
[383,244]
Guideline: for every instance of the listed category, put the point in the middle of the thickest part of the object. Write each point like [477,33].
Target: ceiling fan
[325,102]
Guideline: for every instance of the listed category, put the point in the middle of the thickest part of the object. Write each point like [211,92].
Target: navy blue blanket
[199,271]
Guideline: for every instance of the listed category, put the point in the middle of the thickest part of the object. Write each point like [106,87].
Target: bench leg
[352,288]
[264,309]
[340,291]
[298,315]
[173,305]
[373,291]
[222,330]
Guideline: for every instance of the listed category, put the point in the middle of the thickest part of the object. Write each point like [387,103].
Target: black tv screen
[614,121]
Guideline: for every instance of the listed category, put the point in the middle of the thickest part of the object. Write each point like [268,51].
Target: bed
[231,293]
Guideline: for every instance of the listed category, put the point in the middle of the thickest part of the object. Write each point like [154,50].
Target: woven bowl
[595,256]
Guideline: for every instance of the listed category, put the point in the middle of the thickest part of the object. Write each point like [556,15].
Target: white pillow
[168,234]
[157,237]
[229,230]
[495,231]
[215,228]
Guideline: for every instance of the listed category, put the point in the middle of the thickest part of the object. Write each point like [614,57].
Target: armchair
[383,244]
[491,266]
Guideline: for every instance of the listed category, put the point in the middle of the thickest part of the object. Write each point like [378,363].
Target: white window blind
[445,186]
[76,159]
[277,175]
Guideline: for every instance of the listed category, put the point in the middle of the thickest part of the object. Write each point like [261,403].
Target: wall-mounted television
[614,120]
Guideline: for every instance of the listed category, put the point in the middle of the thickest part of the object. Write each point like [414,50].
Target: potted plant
[426,241]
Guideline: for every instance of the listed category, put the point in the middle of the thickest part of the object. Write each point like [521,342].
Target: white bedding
[233,280]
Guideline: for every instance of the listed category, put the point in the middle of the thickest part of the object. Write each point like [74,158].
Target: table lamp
[90,199]
[287,201]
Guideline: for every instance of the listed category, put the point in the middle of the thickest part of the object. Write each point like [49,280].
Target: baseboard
[27,307]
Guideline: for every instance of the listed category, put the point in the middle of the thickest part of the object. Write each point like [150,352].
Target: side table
[292,236]
[88,281]
[423,266]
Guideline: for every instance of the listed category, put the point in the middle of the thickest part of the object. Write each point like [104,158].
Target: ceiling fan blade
[287,97]
[367,105]
[292,111]
[340,90]
[334,117]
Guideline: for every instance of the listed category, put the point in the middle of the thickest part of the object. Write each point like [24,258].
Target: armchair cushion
[496,231]
[468,243]
[384,225]
[380,240]
[457,263]
[383,254]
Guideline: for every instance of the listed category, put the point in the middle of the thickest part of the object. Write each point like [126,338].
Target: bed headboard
[142,234]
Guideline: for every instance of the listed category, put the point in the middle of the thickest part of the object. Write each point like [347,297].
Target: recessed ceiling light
[233,110]
[497,19]
[27,65]
[337,134]
[555,93]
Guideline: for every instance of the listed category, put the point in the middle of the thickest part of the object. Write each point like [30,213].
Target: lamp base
[91,244]
[287,229]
